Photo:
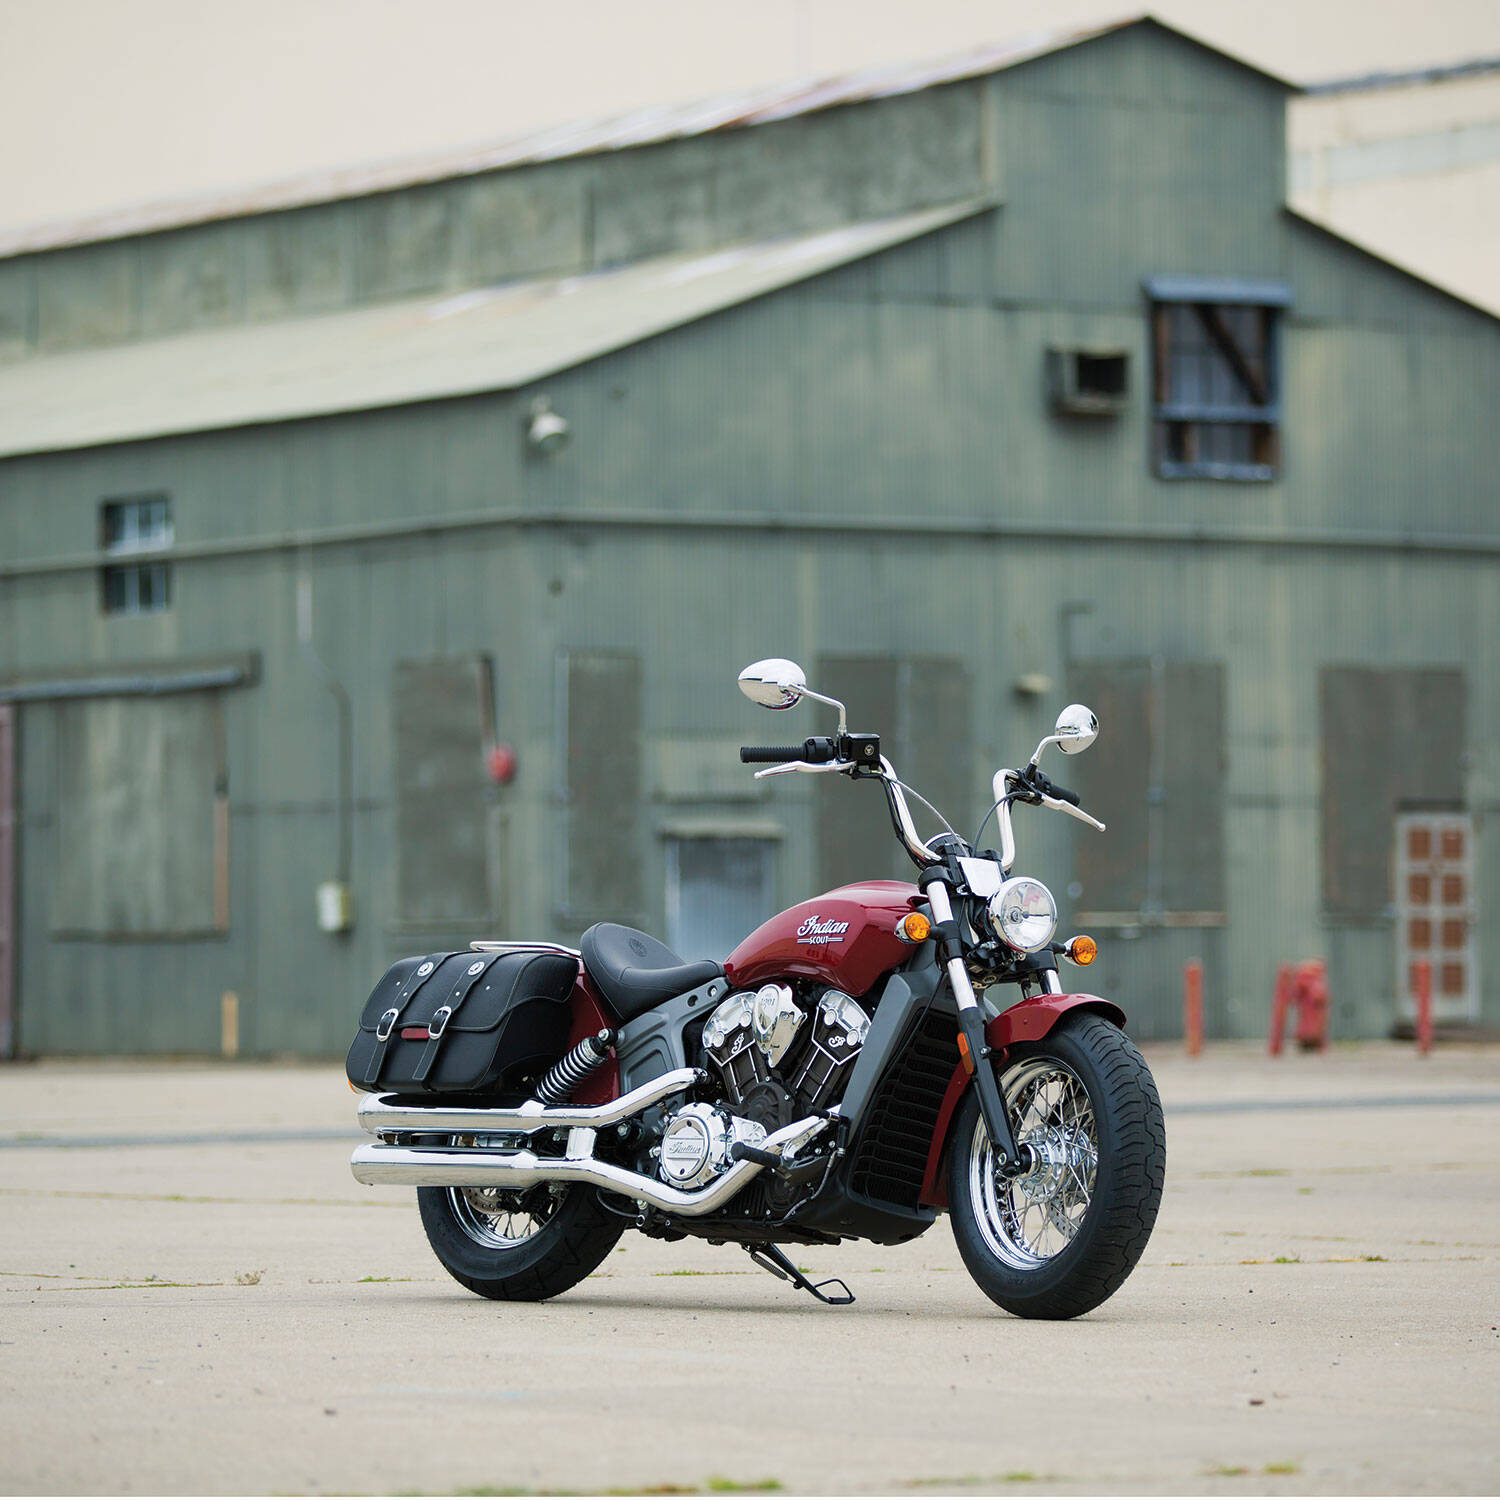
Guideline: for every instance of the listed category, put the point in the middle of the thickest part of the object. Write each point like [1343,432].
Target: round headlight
[1023,914]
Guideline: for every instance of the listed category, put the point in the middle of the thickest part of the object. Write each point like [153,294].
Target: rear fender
[589,1018]
[1026,1021]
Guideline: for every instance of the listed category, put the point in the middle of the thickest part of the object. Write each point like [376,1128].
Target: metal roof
[642,127]
[1474,67]
[456,344]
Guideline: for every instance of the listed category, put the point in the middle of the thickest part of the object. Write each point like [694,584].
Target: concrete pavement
[225,1310]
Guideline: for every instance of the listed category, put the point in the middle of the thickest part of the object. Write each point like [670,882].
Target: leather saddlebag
[464,1023]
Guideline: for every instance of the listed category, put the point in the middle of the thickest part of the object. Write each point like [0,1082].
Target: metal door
[718,891]
[1435,906]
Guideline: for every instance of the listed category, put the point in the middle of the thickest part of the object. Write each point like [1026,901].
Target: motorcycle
[846,1072]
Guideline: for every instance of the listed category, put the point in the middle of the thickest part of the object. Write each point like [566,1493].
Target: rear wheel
[1058,1240]
[518,1246]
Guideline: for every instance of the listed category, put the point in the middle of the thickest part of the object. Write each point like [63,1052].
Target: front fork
[975,1051]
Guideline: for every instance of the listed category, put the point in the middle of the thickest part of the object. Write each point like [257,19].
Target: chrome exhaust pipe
[456,1166]
[380,1115]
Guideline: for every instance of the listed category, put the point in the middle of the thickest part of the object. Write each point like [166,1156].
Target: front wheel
[1058,1240]
[518,1246]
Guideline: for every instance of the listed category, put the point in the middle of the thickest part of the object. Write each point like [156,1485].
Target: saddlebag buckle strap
[445,1013]
[415,980]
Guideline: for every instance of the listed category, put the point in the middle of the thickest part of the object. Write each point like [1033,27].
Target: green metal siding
[864,161]
[862,466]
[695,607]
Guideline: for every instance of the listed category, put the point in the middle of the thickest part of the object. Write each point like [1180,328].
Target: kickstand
[771,1258]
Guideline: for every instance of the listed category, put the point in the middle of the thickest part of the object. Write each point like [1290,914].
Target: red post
[1192,1005]
[1279,1004]
[1421,973]
[1310,995]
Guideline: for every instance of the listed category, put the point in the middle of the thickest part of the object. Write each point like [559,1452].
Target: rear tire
[518,1246]
[1060,1240]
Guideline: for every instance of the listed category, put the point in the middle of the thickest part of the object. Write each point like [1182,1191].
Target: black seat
[635,972]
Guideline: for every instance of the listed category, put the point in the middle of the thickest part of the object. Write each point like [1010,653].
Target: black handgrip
[1051,789]
[817,750]
[774,754]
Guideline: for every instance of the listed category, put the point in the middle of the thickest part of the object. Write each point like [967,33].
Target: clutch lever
[804,765]
[1072,812]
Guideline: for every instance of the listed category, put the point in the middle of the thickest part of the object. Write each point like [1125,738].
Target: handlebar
[1029,785]
[818,750]
[1032,781]
[1051,789]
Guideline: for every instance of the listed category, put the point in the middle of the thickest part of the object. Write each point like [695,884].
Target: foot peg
[771,1258]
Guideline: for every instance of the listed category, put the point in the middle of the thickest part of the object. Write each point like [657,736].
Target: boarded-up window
[142,818]
[1216,385]
[1390,737]
[920,706]
[444,715]
[603,696]
[1155,776]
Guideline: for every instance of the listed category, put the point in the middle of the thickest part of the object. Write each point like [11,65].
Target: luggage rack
[499,945]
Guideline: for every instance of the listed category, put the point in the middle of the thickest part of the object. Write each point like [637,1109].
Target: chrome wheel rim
[500,1218]
[1031,1219]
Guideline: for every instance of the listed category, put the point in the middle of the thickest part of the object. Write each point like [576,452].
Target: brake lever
[1072,812]
[804,765]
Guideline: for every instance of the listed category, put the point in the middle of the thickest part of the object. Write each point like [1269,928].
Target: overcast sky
[112,103]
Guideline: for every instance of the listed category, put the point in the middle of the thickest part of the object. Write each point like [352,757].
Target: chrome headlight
[1023,914]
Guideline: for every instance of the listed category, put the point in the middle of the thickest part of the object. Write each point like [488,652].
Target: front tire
[1059,1240]
[518,1246]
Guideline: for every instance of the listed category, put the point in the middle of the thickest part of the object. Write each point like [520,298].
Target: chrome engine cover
[778,1018]
[840,1026]
[765,1036]
[729,1040]
[696,1143]
[769,1017]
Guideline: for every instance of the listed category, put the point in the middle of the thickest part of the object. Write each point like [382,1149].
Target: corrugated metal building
[974,388]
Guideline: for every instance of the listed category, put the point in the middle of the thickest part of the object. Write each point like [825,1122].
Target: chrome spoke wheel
[502,1219]
[1030,1219]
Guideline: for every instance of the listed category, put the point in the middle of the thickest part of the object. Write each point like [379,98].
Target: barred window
[1216,378]
[129,527]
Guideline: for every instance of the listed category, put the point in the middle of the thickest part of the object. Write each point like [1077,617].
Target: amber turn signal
[913,927]
[1082,950]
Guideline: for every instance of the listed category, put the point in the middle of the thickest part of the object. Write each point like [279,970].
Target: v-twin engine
[766,1045]
[778,1059]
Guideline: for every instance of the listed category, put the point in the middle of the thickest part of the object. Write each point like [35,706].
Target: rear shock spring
[564,1076]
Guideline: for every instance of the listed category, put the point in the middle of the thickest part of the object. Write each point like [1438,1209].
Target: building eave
[395,354]
[654,125]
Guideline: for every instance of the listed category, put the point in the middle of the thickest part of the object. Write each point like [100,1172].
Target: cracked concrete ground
[219,1308]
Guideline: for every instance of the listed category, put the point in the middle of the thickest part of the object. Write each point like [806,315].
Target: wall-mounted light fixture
[546,431]
[1032,685]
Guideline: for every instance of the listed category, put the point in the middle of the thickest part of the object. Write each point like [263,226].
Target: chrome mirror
[1077,728]
[774,683]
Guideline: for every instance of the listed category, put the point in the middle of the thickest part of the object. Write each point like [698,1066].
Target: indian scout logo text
[814,931]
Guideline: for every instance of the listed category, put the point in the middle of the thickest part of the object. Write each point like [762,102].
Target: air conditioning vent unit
[1087,382]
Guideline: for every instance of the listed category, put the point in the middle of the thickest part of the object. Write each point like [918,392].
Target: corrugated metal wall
[859,469]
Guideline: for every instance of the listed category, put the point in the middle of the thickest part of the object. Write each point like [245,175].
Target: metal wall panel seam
[897,526]
[122,687]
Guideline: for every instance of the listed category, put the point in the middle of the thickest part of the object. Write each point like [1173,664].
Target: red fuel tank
[846,938]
